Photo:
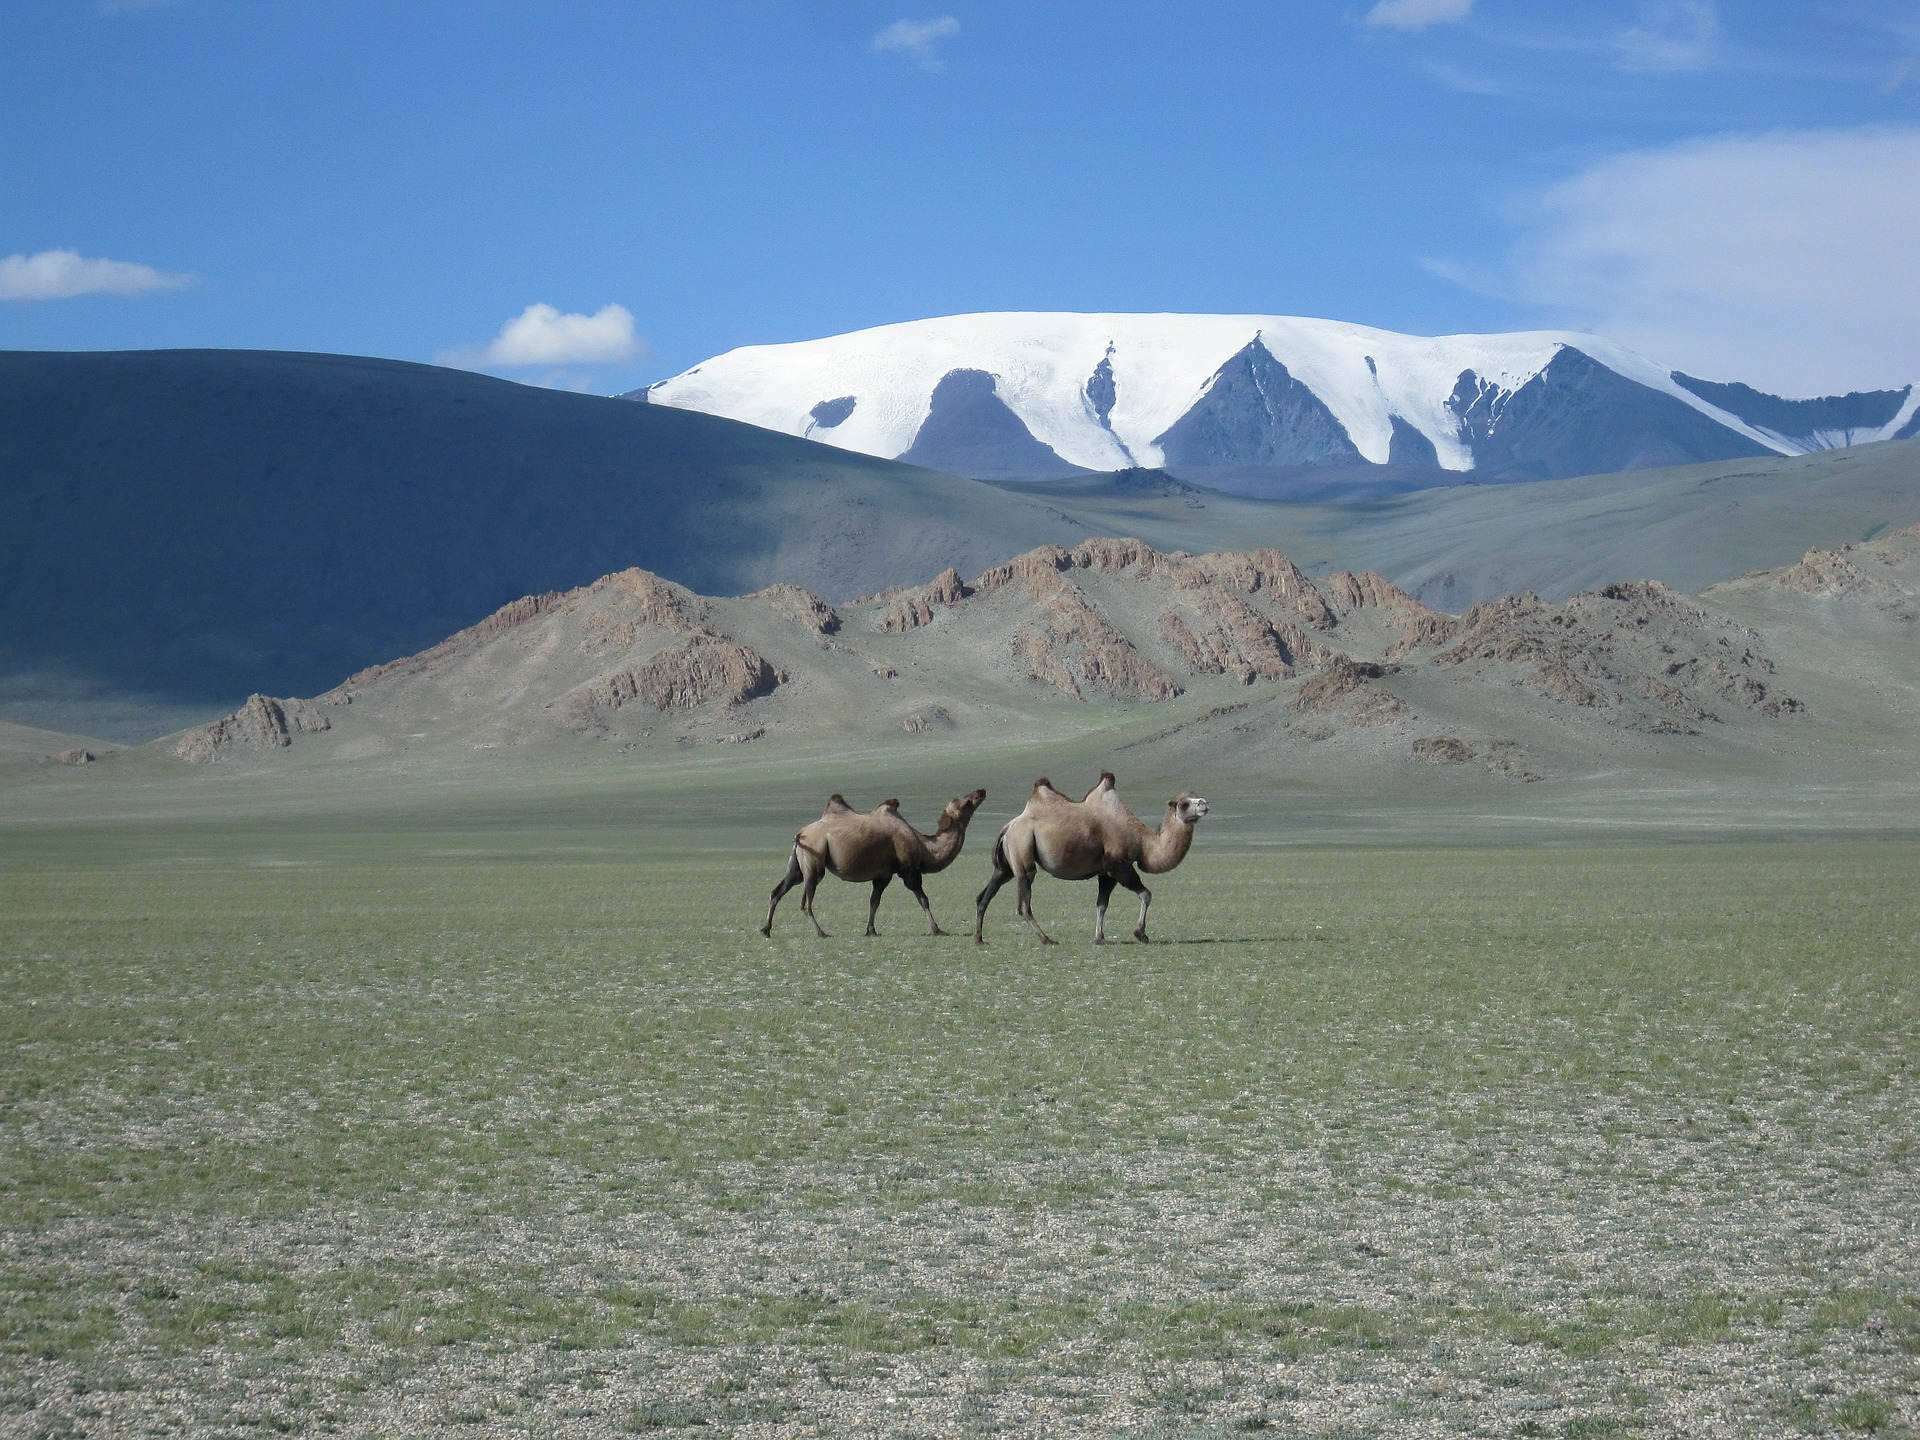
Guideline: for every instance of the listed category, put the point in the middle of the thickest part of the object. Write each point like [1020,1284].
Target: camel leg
[1025,892]
[787,882]
[806,902]
[1100,910]
[912,881]
[1130,878]
[1002,872]
[873,905]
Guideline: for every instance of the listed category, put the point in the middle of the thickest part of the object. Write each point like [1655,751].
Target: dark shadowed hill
[183,527]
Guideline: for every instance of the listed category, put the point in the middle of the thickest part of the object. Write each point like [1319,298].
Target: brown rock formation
[1106,659]
[263,723]
[1267,571]
[702,670]
[1331,689]
[803,607]
[910,609]
[1233,639]
[934,717]
[1041,663]
[1443,750]
[1604,648]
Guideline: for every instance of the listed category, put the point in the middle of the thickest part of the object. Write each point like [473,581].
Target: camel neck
[1167,846]
[944,844]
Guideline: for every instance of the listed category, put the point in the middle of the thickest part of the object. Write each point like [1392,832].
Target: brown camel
[876,846]
[1095,837]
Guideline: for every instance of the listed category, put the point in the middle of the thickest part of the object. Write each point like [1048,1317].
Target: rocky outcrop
[703,670]
[263,723]
[624,606]
[910,609]
[1443,750]
[1035,568]
[1609,647]
[1232,639]
[1502,757]
[1269,573]
[933,717]
[803,607]
[1108,619]
[1107,660]
[1344,690]
[651,600]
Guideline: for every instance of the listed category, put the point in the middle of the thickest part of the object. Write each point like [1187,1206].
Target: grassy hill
[1691,526]
[183,527]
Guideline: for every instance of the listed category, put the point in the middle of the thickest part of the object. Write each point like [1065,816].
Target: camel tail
[1001,866]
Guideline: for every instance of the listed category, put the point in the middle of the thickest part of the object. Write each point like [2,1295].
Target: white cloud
[1672,35]
[916,39]
[1418,14]
[542,335]
[1785,260]
[63,274]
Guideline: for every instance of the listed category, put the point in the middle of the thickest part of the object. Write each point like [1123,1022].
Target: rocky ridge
[1882,574]
[639,661]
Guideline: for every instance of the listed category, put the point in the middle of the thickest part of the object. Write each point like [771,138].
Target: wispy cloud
[1672,36]
[1418,14]
[1782,259]
[918,40]
[63,274]
[542,335]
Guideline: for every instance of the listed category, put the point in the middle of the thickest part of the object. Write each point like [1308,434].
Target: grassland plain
[321,1113]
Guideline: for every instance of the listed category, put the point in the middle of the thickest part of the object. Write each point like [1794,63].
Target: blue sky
[1732,188]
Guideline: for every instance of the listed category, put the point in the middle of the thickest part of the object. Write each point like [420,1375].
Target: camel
[875,846]
[1094,837]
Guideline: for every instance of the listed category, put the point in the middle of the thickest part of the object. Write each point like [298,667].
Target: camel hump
[1045,794]
[837,803]
[1104,785]
[892,806]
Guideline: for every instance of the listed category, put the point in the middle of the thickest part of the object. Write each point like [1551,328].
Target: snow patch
[1160,365]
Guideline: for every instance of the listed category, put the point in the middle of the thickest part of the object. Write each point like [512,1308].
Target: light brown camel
[876,846]
[1095,837]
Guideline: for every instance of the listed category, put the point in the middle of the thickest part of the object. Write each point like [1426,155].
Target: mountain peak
[1221,398]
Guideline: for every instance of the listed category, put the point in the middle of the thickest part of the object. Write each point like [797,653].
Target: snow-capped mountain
[1222,397]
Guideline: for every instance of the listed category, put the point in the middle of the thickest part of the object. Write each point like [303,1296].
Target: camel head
[960,809]
[1188,808]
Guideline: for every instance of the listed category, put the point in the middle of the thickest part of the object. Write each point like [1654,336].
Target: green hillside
[1691,527]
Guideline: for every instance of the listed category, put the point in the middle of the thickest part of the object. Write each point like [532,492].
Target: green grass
[1567,1141]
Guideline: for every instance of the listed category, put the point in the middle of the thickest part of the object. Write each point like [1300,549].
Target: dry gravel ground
[1396,1142]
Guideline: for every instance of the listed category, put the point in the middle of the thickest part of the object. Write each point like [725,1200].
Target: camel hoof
[1141,936]
[1101,940]
[1048,940]
[767,930]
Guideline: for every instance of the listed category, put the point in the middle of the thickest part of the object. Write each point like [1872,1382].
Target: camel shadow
[1235,940]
